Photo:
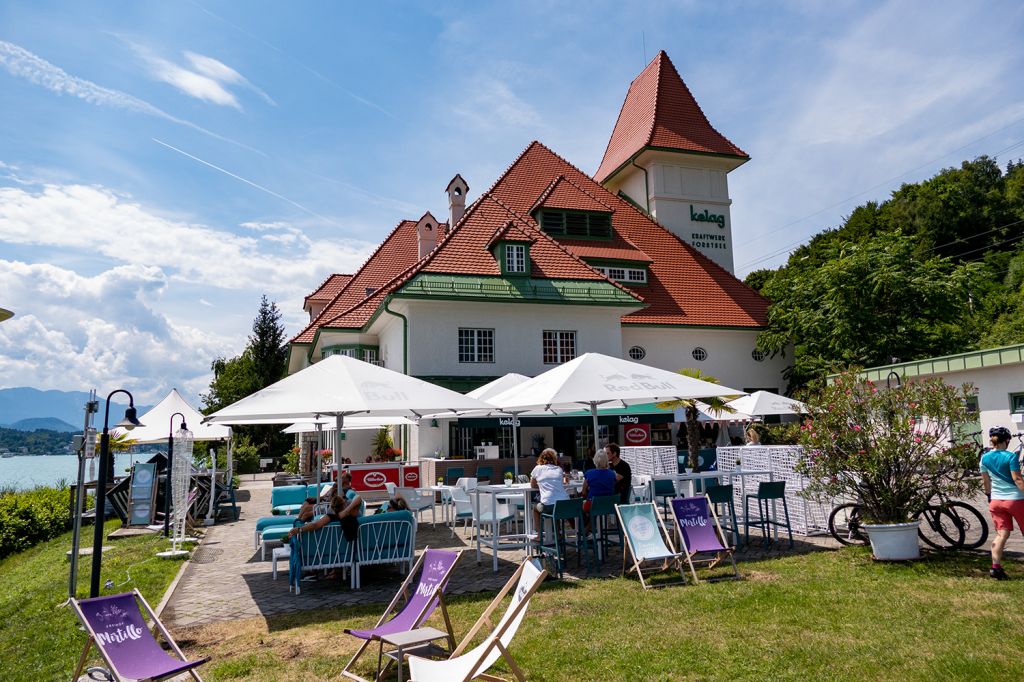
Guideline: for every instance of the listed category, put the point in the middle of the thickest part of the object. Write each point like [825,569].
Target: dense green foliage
[263,362]
[41,641]
[29,517]
[40,442]
[938,268]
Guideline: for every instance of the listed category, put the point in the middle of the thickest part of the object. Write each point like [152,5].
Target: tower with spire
[665,157]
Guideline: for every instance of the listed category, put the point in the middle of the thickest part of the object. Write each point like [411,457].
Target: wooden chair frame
[711,563]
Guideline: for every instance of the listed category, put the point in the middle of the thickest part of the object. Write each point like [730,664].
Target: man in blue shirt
[1000,472]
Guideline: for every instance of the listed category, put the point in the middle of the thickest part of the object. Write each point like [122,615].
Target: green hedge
[29,517]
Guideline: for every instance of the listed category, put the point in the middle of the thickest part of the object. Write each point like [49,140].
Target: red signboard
[373,478]
[411,476]
[637,434]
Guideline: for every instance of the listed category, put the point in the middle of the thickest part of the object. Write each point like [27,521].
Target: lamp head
[131,419]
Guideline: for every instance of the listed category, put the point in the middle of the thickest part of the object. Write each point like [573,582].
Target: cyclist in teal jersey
[1000,473]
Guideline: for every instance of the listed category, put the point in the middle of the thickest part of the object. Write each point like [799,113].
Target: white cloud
[191,83]
[21,63]
[490,104]
[219,71]
[75,332]
[99,221]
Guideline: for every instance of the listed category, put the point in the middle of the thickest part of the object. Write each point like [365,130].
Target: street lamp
[129,422]
[170,468]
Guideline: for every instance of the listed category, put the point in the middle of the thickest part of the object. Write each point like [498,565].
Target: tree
[869,303]
[717,405]
[268,344]
[233,380]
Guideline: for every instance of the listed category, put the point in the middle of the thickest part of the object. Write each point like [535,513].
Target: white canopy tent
[157,422]
[339,386]
[761,403]
[593,380]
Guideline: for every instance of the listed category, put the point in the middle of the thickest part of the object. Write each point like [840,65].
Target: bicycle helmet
[1001,433]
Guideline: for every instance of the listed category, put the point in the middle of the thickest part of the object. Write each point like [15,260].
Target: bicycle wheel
[939,529]
[845,526]
[971,520]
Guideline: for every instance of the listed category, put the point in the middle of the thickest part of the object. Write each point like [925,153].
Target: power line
[881,184]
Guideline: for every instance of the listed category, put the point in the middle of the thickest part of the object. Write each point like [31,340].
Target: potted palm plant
[890,449]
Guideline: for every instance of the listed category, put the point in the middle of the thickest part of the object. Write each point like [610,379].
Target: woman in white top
[549,479]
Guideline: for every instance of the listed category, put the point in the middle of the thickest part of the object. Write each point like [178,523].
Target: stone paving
[227,580]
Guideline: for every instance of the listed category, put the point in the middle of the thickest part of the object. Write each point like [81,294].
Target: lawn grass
[38,639]
[821,616]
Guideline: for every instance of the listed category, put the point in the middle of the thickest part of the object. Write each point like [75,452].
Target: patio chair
[641,488]
[463,508]
[433,568]
[385,539]
[602,512]
[721,498]
[562,511]
[468,665]
[648,543]
[454,474]
[116,626]
[700,533]
[664,491]
[467,482]
[768,493]
[419,501]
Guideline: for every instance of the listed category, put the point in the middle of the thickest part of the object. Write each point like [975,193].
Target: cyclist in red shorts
[1000,472]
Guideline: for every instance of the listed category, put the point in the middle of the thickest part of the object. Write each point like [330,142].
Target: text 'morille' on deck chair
[648,543]
[117,628]
[437,566]
[473,664]
[700,533]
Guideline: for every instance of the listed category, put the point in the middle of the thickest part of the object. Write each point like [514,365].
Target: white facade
[686,193]
[729,354]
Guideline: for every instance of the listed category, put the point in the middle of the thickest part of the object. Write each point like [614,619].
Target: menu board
[142,495]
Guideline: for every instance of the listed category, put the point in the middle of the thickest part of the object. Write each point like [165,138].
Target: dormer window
[576,223]
[515,259]
[623,274]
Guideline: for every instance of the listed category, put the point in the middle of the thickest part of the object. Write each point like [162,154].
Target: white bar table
[509,540]
[708,475]
[446,499]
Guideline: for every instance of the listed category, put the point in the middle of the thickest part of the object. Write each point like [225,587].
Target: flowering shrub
[891,449]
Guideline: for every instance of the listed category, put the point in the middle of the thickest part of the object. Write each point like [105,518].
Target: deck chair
[473,664]
[117,628]
[648,542]
[437,566]
[700,533]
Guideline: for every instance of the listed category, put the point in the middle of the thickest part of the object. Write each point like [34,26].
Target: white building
[996,373]
[550,262]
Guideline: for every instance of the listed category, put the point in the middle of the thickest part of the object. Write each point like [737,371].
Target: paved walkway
[227,580]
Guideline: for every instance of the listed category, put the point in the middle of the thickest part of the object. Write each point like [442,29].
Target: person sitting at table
[394,503]
[548,478]
[753,437]
[624,481]
[597,482]
[307,509]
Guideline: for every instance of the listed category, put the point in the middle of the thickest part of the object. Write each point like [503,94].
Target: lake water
[28,471]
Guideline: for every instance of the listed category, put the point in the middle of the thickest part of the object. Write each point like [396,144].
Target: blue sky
[162,165]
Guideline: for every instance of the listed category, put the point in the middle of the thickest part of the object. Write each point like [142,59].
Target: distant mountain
[48,423]
[67,406]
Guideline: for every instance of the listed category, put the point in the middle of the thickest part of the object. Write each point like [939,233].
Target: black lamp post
[170,469]
[129,422]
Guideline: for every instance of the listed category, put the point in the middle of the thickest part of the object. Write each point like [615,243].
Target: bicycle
[948,525]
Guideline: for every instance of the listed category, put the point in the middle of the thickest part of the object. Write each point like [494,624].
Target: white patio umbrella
[339,386]
[761,403]
[592,380]
[351,424]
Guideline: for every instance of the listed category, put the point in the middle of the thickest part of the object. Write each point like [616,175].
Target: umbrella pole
[339,422]
[515,444]
[593,414]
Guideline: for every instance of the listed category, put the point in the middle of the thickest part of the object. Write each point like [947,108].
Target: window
[637,353]
[476,345]
[558,347]
[634,275]
[576,223]
[699,354]
[515,258]
[1016,402]
[758,355]
[371,356]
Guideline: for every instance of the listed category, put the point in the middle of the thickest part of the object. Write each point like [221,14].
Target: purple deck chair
[117,628]
[437,565]
[700,533]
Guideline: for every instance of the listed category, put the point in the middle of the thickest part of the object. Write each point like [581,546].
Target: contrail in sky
[248,182]
[21,63]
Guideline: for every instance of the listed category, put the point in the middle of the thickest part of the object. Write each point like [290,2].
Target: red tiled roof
[331,287]
[510,232]
[562,193]
[617,249]
[684,286]
[660,111]
[395,254]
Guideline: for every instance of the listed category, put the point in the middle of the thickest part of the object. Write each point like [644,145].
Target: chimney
[456,190]
[426,234]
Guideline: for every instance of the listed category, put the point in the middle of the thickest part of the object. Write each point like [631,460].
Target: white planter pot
[894,541]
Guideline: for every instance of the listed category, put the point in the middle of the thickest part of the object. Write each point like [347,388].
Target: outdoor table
[509,540]
[691,478]
[446,499]
[419,641]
